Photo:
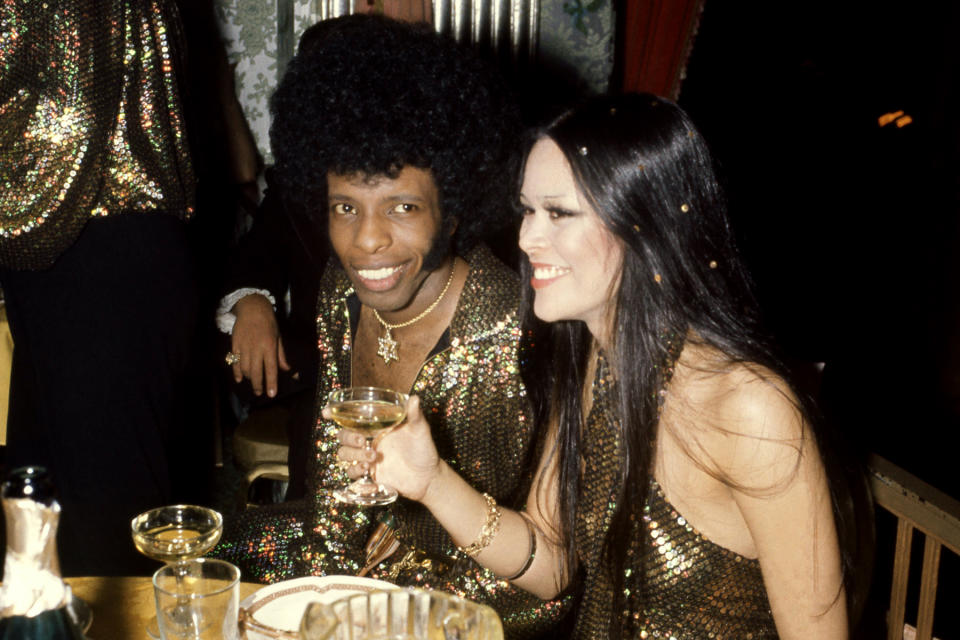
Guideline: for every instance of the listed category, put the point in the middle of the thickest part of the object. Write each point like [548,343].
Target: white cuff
[225,316]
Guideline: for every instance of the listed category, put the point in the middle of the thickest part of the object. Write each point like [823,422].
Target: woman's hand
[404,458]
[407,460]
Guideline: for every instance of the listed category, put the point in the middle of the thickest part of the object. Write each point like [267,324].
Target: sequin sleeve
[479,414]
[90,120]
[342,529]
[316,535]
[473,397]
[480,418]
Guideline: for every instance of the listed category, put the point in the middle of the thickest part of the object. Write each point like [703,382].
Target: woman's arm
[768,453]
[407,460]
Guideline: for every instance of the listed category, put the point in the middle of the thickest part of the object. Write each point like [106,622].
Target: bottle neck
[31,573]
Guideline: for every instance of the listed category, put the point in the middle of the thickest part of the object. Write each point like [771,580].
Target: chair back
[923,509]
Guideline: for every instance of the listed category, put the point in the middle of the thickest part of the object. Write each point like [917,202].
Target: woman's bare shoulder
[745,420]
[729,393]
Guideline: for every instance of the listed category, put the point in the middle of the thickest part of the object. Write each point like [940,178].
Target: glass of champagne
[175,534]
[368,410]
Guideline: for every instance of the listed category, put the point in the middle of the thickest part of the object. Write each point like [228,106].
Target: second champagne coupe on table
[175,534]
[368,410]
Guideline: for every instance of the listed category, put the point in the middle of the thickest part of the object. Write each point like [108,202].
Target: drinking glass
[368,410]
[175,534]
[198,600]
[400,614]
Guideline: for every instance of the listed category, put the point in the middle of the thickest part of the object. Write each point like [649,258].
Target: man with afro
[401,148]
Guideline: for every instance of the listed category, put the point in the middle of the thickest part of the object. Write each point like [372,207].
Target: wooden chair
[922,508]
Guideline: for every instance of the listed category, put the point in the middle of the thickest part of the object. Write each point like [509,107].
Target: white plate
[280,606]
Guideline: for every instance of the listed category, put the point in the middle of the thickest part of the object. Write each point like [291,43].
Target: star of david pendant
[388,348]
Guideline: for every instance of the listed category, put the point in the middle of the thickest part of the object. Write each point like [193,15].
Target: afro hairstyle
[368,95]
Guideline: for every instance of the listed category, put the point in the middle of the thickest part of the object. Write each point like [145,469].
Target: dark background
[850,229]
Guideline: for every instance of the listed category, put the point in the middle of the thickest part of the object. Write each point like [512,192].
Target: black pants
[102,347]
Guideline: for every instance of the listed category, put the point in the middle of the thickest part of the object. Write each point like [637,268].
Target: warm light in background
[899,117]
[887,118]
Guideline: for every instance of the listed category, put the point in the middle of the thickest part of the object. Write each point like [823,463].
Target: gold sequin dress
[472,396]
[90,120]
[694,589]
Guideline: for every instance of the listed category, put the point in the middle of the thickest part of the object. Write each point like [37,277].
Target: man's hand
[256,339]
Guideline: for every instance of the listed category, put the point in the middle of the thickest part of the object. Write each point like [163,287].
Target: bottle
[33,598]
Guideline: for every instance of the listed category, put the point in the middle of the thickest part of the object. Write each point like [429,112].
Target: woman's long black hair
[648,174]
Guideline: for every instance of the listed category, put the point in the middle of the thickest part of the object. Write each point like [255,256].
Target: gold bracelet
[489,529]
[533,549]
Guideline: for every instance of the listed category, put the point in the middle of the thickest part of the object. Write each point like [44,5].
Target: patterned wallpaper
[260,36]
[579,34]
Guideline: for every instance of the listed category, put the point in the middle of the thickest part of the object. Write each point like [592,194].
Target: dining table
[6,361]
[123,606]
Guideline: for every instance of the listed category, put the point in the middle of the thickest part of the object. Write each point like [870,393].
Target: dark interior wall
[850,228]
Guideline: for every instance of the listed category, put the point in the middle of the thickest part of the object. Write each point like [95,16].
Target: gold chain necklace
[388,346]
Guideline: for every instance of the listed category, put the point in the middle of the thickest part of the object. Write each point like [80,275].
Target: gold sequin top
[472,395]
[694,589]
[90,120]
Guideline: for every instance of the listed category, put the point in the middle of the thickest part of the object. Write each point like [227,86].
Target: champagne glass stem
[182,615]
[180,571]
[368,471]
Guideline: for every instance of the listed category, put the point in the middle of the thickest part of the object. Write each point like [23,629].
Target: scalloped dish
[275,611]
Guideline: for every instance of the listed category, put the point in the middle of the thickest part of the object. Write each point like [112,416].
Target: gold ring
[232,358]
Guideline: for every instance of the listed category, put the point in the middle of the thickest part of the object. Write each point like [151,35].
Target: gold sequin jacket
[691,588]
[90,120]
[472,396]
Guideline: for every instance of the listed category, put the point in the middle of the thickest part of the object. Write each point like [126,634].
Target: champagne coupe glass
[175,534]
[368,410]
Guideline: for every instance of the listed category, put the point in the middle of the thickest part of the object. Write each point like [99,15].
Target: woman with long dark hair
[683,487]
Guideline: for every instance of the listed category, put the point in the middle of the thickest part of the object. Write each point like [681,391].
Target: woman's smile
[546,274]
[575,260]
